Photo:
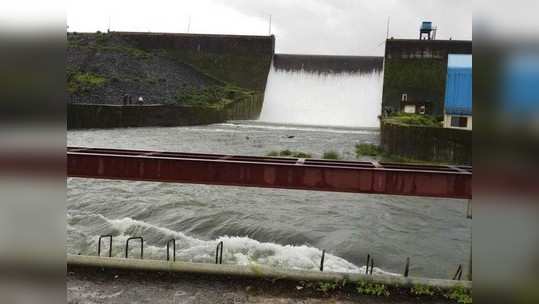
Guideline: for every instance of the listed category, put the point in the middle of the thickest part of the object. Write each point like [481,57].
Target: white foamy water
[237,250]
[253,125]
[344,99]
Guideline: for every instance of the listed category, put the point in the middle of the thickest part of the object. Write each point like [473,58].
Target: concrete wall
[89,116]
[418,68]
[328,64]
[427,144]
[255,271]
[241,60]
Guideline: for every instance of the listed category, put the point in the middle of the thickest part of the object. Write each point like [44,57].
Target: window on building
[404,97]
[459,121]
[409,109]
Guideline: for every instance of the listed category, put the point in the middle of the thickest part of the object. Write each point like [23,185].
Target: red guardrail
[271,172]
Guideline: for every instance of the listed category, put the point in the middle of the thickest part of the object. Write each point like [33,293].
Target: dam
[324,90]
[330,92]
[319,90]
[312,103]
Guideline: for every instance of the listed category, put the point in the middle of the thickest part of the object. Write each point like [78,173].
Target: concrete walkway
[101,285]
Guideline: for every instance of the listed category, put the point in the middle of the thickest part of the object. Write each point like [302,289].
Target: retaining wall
[100,116]
[256,271]
[427,143]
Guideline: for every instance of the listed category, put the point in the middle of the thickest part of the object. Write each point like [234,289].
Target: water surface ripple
[282,228]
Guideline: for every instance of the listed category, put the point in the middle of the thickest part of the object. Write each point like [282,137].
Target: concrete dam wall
[327,64]
[324,90]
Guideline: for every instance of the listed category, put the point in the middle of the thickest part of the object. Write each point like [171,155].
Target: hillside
[101,68]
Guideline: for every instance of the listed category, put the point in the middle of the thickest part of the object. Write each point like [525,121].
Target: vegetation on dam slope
[215,96]
[101,68]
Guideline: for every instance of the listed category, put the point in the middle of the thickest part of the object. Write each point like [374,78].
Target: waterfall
[298,93]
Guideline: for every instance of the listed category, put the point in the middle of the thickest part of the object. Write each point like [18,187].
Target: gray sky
[343,27]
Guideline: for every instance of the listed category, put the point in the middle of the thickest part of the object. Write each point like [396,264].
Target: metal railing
[369,265]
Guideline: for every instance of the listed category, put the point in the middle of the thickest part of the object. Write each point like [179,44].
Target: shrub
[78,82]
[422,290]
[101,38]
[138,53]
[368,150]
[415,120]
[331,155]
[212,95]
[301,155]
[460,295]
[325,287]
[288,153]
[273,153]
[372,289]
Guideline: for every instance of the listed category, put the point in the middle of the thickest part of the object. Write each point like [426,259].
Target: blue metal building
[458,92]
[520,86]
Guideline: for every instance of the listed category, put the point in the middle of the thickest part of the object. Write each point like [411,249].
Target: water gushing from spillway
[351,99]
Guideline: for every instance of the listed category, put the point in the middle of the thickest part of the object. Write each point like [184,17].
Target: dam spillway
[324,90]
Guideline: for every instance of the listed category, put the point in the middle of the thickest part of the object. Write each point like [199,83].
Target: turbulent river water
[281,228]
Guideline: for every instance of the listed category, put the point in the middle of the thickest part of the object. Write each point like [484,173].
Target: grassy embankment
[458,294]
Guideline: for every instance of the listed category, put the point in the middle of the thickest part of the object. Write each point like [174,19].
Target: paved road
[85,285]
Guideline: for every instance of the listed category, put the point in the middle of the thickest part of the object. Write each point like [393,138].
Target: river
[281,228]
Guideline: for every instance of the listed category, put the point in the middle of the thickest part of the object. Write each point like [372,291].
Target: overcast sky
[343,27]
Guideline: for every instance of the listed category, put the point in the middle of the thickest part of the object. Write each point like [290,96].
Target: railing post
[407,267]
[173,241]
[367,264]
[99,245]
[322,260]
[219,253]
[141,246]
[458,274]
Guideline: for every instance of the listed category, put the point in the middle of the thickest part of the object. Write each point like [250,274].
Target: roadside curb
[256,271]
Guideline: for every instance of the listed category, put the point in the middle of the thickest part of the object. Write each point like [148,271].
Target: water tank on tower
[426,30]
